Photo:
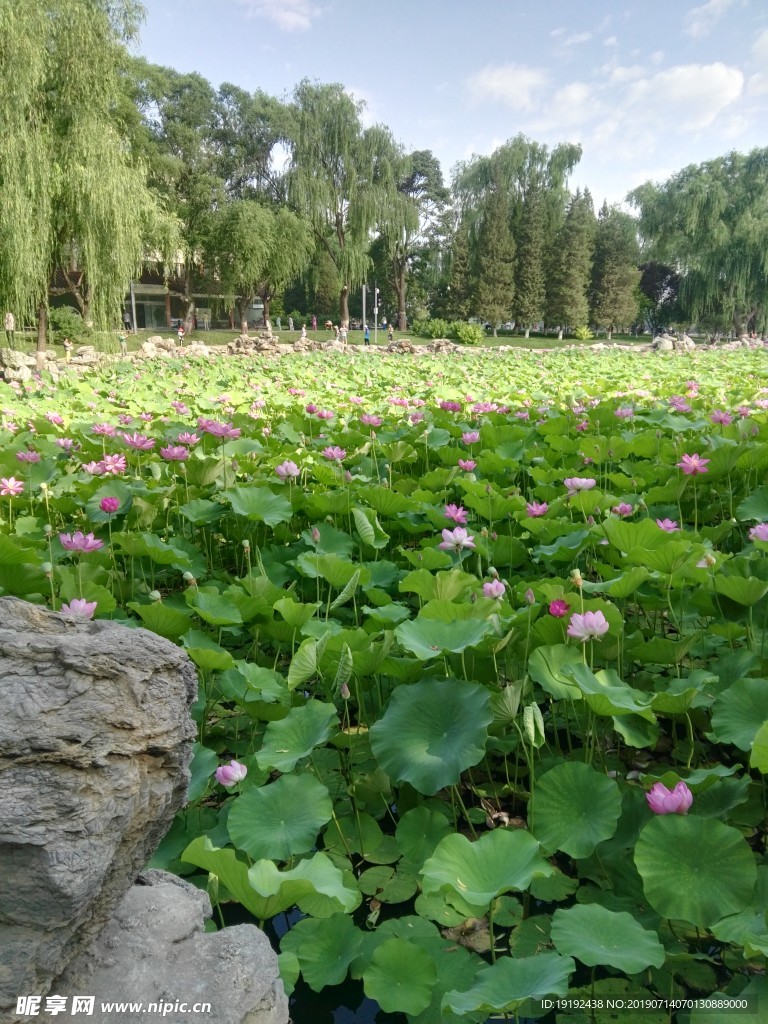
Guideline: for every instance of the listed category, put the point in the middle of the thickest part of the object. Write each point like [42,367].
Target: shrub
[583,334]
[298,319]
[467,334]
[434,328]
[66,322]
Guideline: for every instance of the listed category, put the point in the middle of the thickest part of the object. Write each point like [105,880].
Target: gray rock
[664,343]
[684,343]
[154,950]
[95,744]
[21,373]
[13,357]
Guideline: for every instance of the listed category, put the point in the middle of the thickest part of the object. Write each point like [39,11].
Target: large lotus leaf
[431,732]
[260,504]
[325,948]
[743,590]
[204,764]
[316,876]
[597,936]
[749,928]
[400,977]
[419,831]
[205,652]
[759,756]
[755,506]
[739,712]
[280,819]
[606,694]
[503,986]
[296,735]
[232,873]
[213,607]
[147,545]
[162,619]
[430,638]
[626,535]
[548,666]
[574,809]
[479,871]
[695,869]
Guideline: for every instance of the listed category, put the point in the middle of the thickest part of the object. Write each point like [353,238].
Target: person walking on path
[367,335]
[290,323]
[10,329]
[390,332]
[181,334]
[314,322]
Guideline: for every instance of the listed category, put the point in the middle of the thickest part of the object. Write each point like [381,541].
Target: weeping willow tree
[258,251]
[710,221]
[341,177]
[70,193]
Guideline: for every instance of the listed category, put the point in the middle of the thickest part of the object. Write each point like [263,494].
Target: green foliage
[65,322]
[466,334]
[434,328]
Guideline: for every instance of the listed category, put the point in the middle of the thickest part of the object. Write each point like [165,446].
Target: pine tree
[459,298]
[496,261]
[615,274]
[530,278]
[571,266]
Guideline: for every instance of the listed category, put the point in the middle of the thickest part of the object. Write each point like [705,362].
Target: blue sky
[646,87]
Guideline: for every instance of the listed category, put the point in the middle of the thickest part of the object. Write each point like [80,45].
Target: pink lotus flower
[467,465]
[582,425]
[589,626]
[226,431]
[416,417]
[104,429]
[455,540]
[109,505]
[624,412]
[759,532]
[80,541]
[230,774]
[140,442]
[334,454]
[494,589]
[667,525]
[28,456]
[79,608]
[325,414]
[370,420]
[187,439]
[113,464]
[579,483]
[175,453]
[691,465]
[669,801]
[180,408]
[65,442]
[721,416]
[679,404]
[470,436]
[559,608]
[311,408]
[451,406]
[456,513]
[623,509]
[124,419]
[10,487]
[287,470]
[55,418]
[534,509]
[94,468]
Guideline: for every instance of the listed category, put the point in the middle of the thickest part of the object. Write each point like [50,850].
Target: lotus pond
[483,705]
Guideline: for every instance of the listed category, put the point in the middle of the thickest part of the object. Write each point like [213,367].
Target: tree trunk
[559,333]
[608,334]
[42,333]
[242,306]
[495,331]
[401,287]
[527,332]
[344,305]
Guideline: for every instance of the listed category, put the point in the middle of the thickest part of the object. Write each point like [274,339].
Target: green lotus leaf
[739,711]
[400,977]
[759,756]
[606,694]
[695,869]
[296,736]
[574,809]
[280,819]
[498,862]
[509,982]
[325,948]
[213,607]
[419,831]
[313,877]
[260,504]
[548,667]
[162,619]
[432,732]
[597,936]
[430,638]
[743,590]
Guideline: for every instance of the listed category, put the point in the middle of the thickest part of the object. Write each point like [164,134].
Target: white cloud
[288,15]
[760,47]
[758,84]
[515,85]
[700,21]
[689,96]
[577,38]
[627,74]
[573,104]
[359,95]
[611,41]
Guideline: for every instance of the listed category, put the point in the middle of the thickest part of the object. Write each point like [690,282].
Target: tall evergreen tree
[571,266]
[496,261]
[530,283]
[458,298]
[615,274]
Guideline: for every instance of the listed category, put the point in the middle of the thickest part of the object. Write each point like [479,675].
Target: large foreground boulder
[155,952]
[95,743]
